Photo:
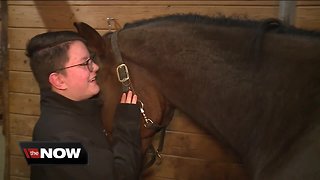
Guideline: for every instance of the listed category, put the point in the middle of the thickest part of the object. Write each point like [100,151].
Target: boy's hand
[129,98]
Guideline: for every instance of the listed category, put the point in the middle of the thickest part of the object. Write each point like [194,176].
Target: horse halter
[124,79]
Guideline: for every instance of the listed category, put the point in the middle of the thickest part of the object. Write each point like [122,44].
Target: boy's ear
[57,81]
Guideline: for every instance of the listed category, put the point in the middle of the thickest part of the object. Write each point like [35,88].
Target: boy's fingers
[123,98]
[134,99]
[129,97]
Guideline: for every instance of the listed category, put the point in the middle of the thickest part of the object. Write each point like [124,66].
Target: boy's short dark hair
[48,52]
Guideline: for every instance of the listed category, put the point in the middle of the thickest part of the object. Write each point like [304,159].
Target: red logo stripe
[26,152]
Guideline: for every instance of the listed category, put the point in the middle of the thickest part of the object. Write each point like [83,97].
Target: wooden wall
[1,71]
[189,153]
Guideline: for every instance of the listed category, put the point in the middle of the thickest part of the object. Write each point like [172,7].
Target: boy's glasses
[89,63]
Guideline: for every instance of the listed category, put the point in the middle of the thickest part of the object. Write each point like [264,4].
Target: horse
[253,84]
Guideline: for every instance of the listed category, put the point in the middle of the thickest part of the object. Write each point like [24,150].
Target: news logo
[40,152]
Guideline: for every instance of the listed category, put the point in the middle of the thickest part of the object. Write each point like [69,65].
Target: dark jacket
[62,119]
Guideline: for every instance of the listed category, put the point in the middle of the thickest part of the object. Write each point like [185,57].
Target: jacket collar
[85,107]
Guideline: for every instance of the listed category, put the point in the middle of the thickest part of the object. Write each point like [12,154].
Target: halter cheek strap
[122,69]
[124,79]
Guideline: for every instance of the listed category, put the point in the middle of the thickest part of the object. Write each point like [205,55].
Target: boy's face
[81,83]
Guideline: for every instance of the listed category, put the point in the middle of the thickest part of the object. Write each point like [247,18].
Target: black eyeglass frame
[89,63]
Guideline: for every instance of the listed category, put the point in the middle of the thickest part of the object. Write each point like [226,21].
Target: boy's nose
[95,67]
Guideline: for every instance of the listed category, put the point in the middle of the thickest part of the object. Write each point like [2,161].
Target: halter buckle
[123,73]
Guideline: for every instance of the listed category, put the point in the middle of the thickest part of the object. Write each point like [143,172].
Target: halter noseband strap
[115,47]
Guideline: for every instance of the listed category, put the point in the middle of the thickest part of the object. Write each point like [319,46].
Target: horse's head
[155,106]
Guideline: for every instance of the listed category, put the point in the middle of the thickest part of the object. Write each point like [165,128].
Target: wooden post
[4,71]
[287,11]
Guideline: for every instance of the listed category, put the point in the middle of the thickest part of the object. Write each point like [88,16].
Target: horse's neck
[208,75]
[188,55]
[189,66]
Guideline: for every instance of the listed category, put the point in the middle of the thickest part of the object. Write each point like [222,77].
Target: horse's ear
[94,39]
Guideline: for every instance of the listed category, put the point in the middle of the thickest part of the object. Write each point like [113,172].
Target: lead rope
[156,154]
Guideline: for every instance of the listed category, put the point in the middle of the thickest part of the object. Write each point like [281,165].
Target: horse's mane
[263,25]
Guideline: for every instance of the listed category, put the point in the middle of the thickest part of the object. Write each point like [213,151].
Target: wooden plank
[14,144]
[27,104]
[149,2]
[150,177]
[308,17]
[196,146]
[23,82]
[18,38]
[1,96]
[308,3]
[19,166]
[29,16]
[22,124]
[173,167]
[4,87]
[182,123]
[19,178]
[18,61]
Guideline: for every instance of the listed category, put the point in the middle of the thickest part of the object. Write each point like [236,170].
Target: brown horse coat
[255,85]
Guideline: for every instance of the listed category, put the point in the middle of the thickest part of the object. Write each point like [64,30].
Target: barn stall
[189,152]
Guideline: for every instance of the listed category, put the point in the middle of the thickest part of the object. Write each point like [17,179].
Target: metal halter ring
[148,123]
